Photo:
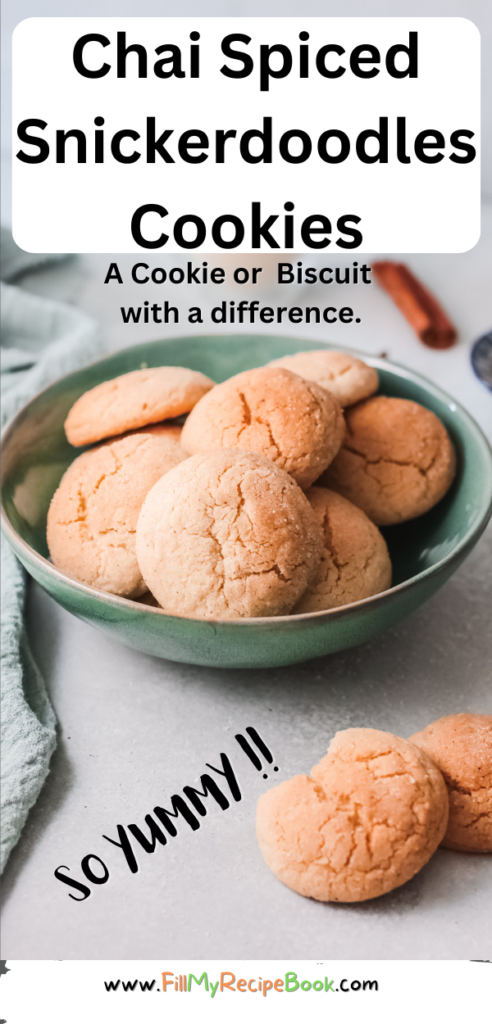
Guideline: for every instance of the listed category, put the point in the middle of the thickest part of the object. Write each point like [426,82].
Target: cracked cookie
[93,515]
[348,379]
[461,746]
[134,400]
[354,563]
[227,535]
[370,816]
[396,460]
[272,411]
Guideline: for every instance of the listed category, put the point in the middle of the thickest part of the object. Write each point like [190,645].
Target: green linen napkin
[40,341]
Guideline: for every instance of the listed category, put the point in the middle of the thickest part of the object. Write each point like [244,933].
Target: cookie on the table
[348,379]
[370,816]
[93,515]
[274,412]
[355,563]
[227,534]
[461,746]
[134,400]
[396,460]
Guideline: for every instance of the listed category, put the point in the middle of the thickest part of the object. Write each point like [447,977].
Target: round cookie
[227,535]
[461,746]
[134,400]
[272,411]
[355,562]
[370,816]
[396,460]
[93,515]
[348,379]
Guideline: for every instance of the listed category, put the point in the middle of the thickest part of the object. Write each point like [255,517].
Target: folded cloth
[41,340]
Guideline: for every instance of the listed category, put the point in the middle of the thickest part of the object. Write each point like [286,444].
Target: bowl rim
[473,533]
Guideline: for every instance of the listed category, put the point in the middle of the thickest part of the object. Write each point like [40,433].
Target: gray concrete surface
[134,730]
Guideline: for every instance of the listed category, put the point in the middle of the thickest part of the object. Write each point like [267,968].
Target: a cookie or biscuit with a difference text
[355,563]
[348,379]
[93,515]
[134,400]
[272,411]
[371,815]
[227,534]
[461,746]
[396,460]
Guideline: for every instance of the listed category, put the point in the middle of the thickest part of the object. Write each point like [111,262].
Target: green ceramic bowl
[425,552]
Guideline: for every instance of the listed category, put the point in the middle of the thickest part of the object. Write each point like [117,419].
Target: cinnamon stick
[417,304]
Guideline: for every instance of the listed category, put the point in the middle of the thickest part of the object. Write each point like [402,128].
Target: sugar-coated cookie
[348,379]
[134,400]
[272,411]
[396,460]
[93,515]
[461,746]
[227,535]
[354,563]
[370,816]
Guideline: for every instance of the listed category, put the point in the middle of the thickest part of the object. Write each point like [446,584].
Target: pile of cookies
[219,518]
[376,807]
